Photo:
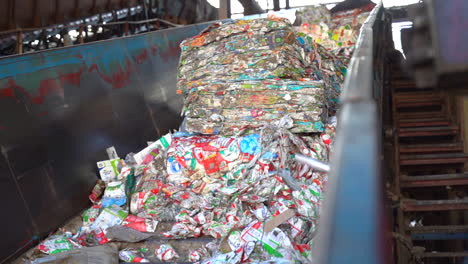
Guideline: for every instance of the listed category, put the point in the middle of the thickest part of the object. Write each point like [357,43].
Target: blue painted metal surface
[60,110]
[440,236]
[352,228]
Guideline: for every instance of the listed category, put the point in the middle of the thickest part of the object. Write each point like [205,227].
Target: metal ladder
[430,180]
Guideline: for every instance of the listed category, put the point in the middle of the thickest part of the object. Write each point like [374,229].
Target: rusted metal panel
[450,255]
[424,122]
[440,236]
[438,229]
[434,180]
[434,205]
[416,115]
[428,131]
[448,232]
[60,110]
[409,96]
[426,102]
[424,148]
[403,84]
[433,159]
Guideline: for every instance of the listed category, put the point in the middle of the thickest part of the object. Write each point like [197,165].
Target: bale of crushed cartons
[228,107]
[244,73]
[336,32]
[241,50]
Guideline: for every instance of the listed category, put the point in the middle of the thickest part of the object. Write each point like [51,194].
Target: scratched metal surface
[352,226]
[60,109]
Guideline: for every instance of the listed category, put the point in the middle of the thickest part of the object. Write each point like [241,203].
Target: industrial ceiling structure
[40,13]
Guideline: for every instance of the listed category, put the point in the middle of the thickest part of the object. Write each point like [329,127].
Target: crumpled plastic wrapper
[198,254]
[166,252]
[97,191]
[141,224]
[132,255]
[114,194]
[108,217]
[90,215]
[57,244]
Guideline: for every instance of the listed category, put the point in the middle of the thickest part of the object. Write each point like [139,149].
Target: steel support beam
[276,5]
[224,10]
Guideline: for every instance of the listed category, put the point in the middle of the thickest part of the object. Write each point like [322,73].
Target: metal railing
[351,228]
